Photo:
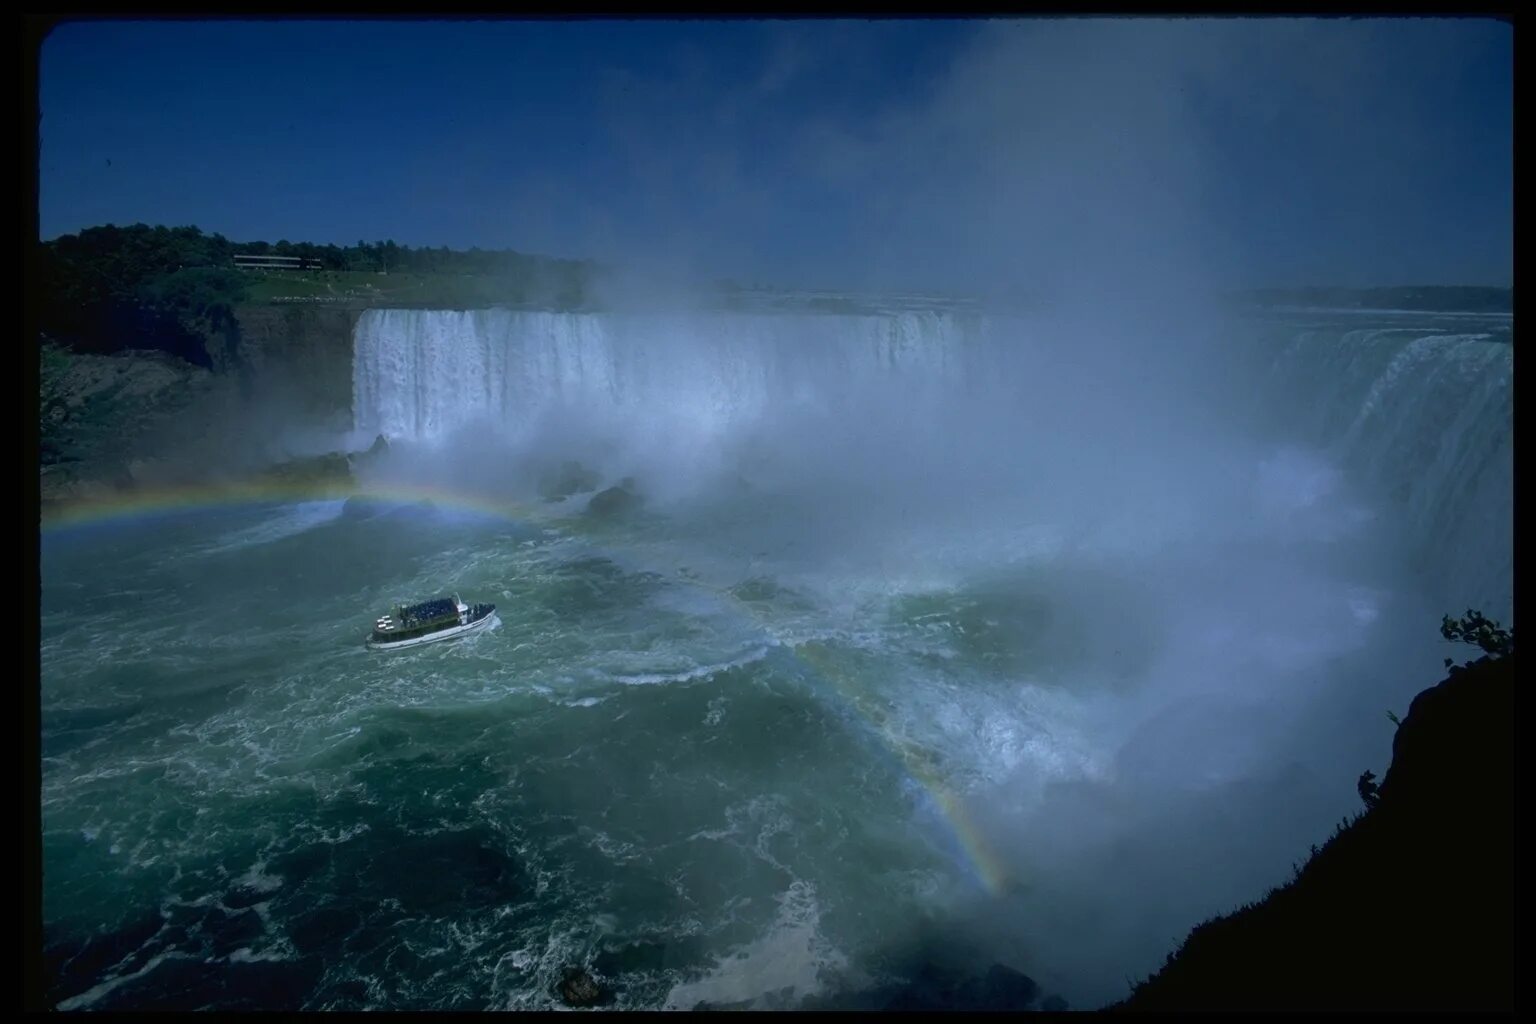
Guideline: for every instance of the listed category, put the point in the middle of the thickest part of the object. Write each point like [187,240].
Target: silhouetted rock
[938,987]
[571,478]
[939,983]
[376,451]
[368,506]
[578,988]
[1408,906]
[62,486]
[1004,988]
[121,477]
[616,501]
[361,507]
[332,468]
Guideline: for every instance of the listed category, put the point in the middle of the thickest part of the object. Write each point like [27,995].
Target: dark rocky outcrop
[333,469]
[571,477]
[999,988]
[362,507]
[942,982]
[1408,906]
[361,461]
[616,501]
[368,506]
[579,988]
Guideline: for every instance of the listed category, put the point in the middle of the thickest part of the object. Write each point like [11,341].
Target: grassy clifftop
[414,289]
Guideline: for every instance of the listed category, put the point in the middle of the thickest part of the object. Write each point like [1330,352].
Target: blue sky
[989,154]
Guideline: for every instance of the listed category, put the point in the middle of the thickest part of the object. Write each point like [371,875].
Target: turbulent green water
[1036,692]
[633,771]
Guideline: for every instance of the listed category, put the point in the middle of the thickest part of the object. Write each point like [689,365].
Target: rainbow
[152,502]
[982,859]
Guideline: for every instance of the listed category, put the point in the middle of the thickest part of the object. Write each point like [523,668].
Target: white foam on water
[288,521]
[781,968]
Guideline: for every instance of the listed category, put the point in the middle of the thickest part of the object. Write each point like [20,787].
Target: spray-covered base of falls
[1411,413]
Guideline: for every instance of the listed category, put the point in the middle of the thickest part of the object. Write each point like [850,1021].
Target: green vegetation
[1481,632]
[1476,629]
[111,288]
[408,288]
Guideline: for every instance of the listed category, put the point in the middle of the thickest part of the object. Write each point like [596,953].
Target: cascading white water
[1424,419]
[1420,416]
[419,375]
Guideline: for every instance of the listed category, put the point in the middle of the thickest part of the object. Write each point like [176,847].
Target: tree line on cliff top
[110,288]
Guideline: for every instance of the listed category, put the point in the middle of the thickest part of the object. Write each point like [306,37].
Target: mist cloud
[1065,156]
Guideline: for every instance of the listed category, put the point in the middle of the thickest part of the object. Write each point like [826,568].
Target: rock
[1410,905]
[330,468]
[578,988]
[616,501]
[571,478]
[95,408]
[939,981]
[120,478]
[1004,988]
[302,352]
[376,451]
[369,506]
[360,507]
[938,986]
[154,472]
[84,484]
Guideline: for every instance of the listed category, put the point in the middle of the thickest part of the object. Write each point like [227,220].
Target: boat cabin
[413,620]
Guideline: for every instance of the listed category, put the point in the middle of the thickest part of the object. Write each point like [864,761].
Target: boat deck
[420,623]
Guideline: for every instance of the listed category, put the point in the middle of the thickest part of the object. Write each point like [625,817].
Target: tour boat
[443,618]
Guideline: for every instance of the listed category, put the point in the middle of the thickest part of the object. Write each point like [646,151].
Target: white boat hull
[451,633]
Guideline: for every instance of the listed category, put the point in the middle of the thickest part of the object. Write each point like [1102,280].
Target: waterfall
[419,375]
[1418,411]
[1424,418]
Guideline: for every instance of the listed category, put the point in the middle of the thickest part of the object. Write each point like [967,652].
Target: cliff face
[301,352]
[99,416]
[142,418]
[1410,906]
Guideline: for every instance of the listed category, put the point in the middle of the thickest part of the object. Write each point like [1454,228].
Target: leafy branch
[1480,631]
